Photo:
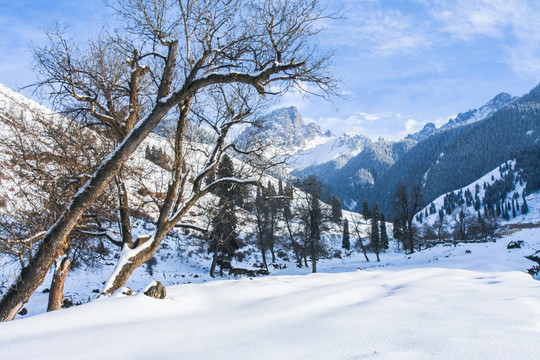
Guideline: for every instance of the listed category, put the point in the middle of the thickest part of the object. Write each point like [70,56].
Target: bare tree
[44,158]
[440,224]
[288,216]
[407,202]
[174,50]
[359,243]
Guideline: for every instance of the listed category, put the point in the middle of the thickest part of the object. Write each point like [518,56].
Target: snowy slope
[342,148]
[445,303]
[532,199]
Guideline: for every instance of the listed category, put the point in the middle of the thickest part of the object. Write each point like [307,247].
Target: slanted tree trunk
[363,248]
[56,295]
[356,228]
[56,240]
[294,244]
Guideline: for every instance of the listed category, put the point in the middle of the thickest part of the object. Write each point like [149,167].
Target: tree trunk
[294,244]
[410,236]
[263,253]
[214,261]
[56,295]
[362,244]
[313,256]
[56,240]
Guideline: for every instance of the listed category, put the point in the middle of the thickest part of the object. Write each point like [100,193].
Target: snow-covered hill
[429,214]
[471,301]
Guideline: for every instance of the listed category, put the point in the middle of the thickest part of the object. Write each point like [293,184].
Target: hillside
[38,170]
[454,158]
[454,296]
[469,301]
[354,167]
[468,117]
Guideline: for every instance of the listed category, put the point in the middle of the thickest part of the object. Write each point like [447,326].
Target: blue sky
[402,63]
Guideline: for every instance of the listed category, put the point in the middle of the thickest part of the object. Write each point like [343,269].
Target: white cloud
[514,22]
[391,126]
[376,31]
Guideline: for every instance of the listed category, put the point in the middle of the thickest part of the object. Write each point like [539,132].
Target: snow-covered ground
[472,301]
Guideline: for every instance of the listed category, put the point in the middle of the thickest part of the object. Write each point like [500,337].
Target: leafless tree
[44,157]
[407,202]
[173,50]
[360,242]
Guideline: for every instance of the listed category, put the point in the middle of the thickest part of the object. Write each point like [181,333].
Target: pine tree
[336,209]
[346,243]
[384,235]
[477,203]
[224,220]
[365,209]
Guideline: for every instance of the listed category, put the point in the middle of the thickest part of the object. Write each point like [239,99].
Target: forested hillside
[446,159]
[454,158]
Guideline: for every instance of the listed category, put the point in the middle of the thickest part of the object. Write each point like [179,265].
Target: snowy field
[473,301]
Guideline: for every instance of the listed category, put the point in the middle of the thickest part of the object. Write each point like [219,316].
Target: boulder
[156,291]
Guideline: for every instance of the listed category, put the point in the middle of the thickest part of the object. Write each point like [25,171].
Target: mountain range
[353,167]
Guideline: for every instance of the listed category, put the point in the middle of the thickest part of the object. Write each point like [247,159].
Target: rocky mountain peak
[467,117]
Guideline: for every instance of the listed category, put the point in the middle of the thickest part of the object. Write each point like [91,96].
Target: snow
[471,301]
[488,178]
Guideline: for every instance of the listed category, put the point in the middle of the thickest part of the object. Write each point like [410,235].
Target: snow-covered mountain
[338,148]
[469,117]
[285,128]
[428,130]
[305,144]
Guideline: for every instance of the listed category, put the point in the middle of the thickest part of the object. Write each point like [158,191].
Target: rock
[250,273]
[514,244]
[23,311]
[67,303]
[127,291]
[156,291]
